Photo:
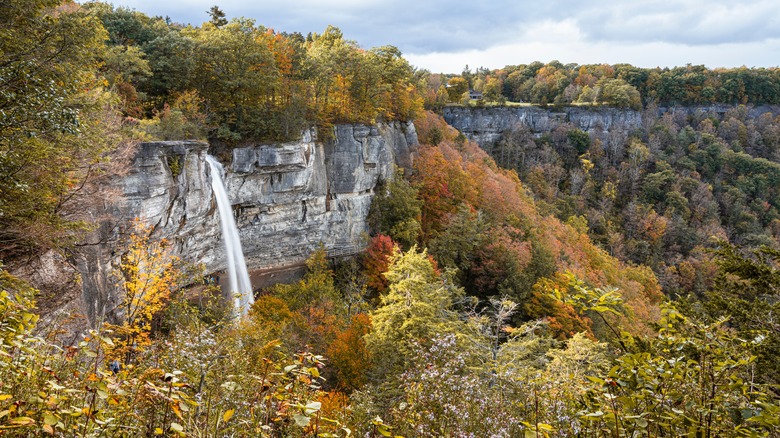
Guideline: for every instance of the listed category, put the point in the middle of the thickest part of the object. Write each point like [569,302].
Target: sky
[445,36]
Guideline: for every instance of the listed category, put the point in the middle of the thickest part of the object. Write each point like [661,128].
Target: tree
[746,291]
[349,355]
[618,93]
[52,111]
[217,16]
[376,261]
[416,308]
[395,211]
[171,60]
[317,285]
[147,276]
[492,90]
[455,246]
[456,87]
[235,73]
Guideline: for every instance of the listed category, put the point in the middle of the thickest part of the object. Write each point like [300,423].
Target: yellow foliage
[146,275]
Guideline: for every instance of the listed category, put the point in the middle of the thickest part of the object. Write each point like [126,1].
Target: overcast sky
[444,36]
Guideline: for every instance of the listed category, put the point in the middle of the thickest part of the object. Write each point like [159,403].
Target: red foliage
[376,261]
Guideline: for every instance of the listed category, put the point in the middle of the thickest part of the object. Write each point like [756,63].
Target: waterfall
[240,286]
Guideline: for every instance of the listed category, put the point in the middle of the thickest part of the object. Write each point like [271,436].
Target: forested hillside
[659,195]
[574,284]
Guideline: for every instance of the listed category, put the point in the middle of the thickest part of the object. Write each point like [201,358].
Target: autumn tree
[456,87]
[51,106]
[146,276]
[349,354]
[377,260]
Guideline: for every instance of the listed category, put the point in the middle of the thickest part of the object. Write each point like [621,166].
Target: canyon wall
[486,125]
[287,198]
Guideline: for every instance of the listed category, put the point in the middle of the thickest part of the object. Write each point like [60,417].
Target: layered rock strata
[486,125]
[287,199]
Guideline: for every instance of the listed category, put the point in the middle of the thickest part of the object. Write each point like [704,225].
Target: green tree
[171,60]
[395,211]
[618,93]
[416,308]
[455,246]
[235,73]
[51,106]
[316,287]
[217,16]
[746,290]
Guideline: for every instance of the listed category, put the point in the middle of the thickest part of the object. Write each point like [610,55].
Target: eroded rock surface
[287,198]
[486,125]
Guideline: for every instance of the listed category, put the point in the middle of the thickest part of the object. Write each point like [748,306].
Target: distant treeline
[621,85]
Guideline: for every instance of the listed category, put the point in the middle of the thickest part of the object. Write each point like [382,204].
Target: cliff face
[485,125]
[287,198]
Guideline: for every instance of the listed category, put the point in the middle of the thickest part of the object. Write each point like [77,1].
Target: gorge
[288,199]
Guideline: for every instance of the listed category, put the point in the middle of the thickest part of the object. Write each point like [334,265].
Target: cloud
[647,54]
[568,30]
[692,22]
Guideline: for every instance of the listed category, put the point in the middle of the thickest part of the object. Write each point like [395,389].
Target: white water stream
[240,286]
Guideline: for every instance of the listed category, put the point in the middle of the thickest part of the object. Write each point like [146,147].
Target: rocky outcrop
[287,199]
[486,125]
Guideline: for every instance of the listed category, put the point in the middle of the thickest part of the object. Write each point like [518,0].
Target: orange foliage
[282,51]
[321,326]
[427,122]
[348,353]
[450,174]
[376,260]
[334,404]
[442,183]
[564,321]
[653,226]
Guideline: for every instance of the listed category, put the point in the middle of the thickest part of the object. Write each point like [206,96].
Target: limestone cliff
[486,125]
[287,198]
